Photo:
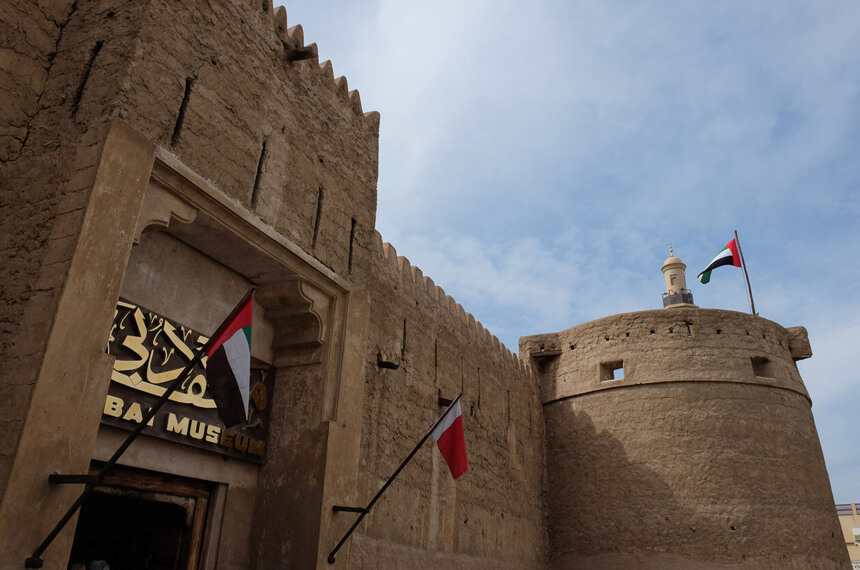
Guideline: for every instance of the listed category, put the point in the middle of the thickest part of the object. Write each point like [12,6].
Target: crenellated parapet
[656,347]
[295,49]
[427,288]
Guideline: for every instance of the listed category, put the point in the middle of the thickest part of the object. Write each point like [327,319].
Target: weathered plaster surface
[690,458]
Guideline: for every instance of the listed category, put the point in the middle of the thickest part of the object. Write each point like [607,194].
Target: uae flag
[451,440]
[228,368]
[727,256]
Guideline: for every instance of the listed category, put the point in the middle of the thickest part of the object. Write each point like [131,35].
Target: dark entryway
[141,523]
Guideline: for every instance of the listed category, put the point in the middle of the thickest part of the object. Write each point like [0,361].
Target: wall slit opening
[351,241]
[256,189]
[79,94]
[180,117]
[318,217]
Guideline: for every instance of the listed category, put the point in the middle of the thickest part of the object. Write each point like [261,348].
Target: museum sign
[151,351]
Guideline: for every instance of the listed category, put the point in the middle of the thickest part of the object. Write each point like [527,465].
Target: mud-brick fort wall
[208,83]
[496,510]
[217,86]
[675,439]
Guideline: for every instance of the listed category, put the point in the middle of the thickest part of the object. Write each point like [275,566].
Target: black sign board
[150,352]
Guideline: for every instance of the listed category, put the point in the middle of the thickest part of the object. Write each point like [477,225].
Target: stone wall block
[355,100]
[327,70]
[376,245]
[437,294]
[404,266]
[372,119]
[450,305]
[524,367]
[429,287]
[483,333]
[460,312]
[470,322]
[390,254]
[296,36]
[417,281]
[315,52]
[280,18]
[341,88]
[511,358]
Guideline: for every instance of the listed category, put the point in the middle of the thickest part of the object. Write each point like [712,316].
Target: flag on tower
[228,368]
[451,440]
[727,256]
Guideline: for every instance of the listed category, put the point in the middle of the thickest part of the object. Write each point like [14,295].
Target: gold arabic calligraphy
[151,352]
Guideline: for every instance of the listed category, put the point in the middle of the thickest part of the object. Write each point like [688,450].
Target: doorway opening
[138,521]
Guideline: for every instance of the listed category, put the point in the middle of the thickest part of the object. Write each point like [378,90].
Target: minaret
[677,294]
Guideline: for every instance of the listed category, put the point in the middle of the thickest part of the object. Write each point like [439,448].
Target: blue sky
[536,160]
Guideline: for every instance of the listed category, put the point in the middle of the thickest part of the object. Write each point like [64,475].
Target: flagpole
[35,561]
[746,275]
[366,510]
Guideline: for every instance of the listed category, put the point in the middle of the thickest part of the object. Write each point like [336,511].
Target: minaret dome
[677,294]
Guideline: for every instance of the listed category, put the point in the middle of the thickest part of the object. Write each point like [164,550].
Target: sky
[538,158]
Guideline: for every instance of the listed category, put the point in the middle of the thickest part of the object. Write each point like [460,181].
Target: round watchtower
[683,439]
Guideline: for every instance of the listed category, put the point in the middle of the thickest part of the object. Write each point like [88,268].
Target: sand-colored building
[849,519]
[159,159]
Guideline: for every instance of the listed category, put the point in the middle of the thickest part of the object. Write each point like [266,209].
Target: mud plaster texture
[92,94]
[210,84]
[685,460]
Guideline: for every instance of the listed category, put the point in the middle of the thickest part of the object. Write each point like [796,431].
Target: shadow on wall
[700,477]
[601,501]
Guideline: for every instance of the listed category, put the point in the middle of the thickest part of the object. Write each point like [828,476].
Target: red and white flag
[451,440]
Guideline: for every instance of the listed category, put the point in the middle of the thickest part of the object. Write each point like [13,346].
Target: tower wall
[703,455]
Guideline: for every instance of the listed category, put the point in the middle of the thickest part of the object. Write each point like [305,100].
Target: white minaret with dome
[677,294]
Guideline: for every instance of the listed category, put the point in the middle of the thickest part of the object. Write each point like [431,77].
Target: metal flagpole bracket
[342,509]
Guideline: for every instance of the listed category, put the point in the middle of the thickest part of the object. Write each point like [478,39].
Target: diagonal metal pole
[746,275]
[366,510]
[35,560]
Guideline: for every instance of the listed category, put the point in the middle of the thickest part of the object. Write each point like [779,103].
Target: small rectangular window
[611,370]
[762,367]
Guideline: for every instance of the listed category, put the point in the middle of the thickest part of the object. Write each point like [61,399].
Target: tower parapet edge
[673,438]
[684,345]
